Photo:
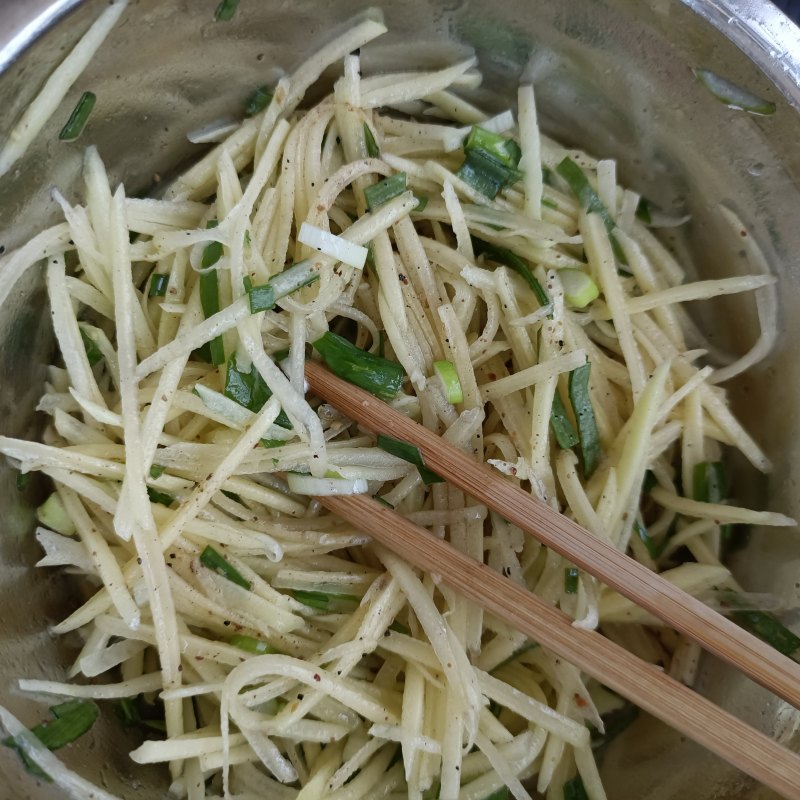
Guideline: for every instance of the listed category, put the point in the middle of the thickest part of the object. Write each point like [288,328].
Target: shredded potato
[286,654]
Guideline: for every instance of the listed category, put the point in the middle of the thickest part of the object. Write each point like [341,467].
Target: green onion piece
[372,146]
[158,285]
[649,482]
[579,288]
[564,430]
[53,515]
[262,298]
[643,210]
[23,479]
[584,415]
[385,190]
[447,374]
[258,101]
[232,496]
[78,118]
[548,203]
[127,712]
[765,626]
[250,390]
[487,174]
[422,203]
[507,151]
[548,179]
[270,443]
[225,10]
[325,601]
[251,645]
[214,561]
[280,355]
[93,353]
[209,295]
[377,375]
[732,95]
[575,790]
[589,200]
[571,576]
[398,627]
[500,794]
[70,721]
[408,452]
[156,471]
[503,255]
[655,549]
[136,712]
[162,498]
[710,485]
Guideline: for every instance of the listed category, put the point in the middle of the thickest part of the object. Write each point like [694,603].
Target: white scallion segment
[334,246]
[309,485]
[152,417]
[45,104]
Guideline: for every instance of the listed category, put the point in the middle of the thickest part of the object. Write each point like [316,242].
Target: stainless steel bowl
[612,76]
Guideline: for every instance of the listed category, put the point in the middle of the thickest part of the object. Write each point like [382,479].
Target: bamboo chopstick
[678,609]
[643,684]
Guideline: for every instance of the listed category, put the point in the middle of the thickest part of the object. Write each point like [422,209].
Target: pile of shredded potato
[542,329]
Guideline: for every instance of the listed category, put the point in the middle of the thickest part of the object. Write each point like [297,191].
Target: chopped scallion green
[579,288]
[571,576]
[162,498]
[508,258]
[643,211]
[93,353]
[507,151]
[225,10]
[258,101]
[710,485]
[575,790]
[408,452]
[385,190]
[377,375]
[654,549]
[564,430]
[584,415]
[23,479]
[372,146]
[325,601]
[251,645]
[156,471]
[77,120]
[262,298]
[250,390]
[215,561]
[158,285]
[733,95]
[765,626]
[446,372]
[422,203]
[487,174]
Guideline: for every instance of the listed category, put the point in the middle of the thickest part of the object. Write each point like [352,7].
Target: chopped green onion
[732,95]
[225,10]
[93,353]
[258,101]
[251,645]
[23,479]
[78,118]
[548,179]
[53,515]
[215,561]
[408,452]
[579,288]
[250,390]
[710,485]
[655,549]
[564,430]
[422,203]
[324,601]
[398,627]
[548,203]
[156,471]
[575,790]
[447,374]
[649,482]
[158,285]
[765,626]
[584,415]
[377,375]
[507,151]
[262,298]
[70,721]
[161,498]
[500,794]
[643,210]
[232,496]
[487,174]
[372,146]
[590,201]
[385,190]
[136,712]
[270,443]
[503,255]
[209,294]
[571,576]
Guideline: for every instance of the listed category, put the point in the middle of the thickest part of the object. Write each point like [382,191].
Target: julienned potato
[476,275]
